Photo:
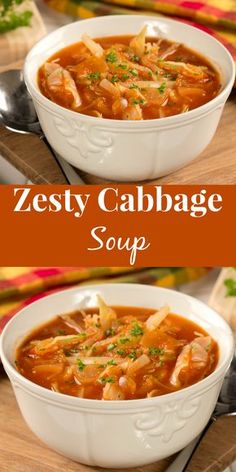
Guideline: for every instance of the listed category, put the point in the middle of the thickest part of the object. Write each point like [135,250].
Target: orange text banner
[117,225]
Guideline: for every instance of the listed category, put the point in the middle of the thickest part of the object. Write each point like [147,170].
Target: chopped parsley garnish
[121,352]
[70,352]
[150,73]
[138,101]
[111,346]
[132,355]
[111,57]
[156,351]
[125,76]
[122,66]
[111,362]
[135,58]
[94,75]
[134,72]
[137,330]
[162,88]
[104,380]
[124,340]
[80,365]
[230,284]
[114,79]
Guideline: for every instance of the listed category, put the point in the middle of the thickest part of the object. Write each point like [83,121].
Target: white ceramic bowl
[126,150]
[116,433]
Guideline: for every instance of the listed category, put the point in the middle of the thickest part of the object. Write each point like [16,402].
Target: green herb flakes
[138,101]
[104,380]
[134,72]
[124,340]
[111,346]
[111,57]
[162,88]
[137,330]
[121,352]
[132,355]
[122,66]
[111,362]
[156,351]
[94,76]
[80,365]
[114,79]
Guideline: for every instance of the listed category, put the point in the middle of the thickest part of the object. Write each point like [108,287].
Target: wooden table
[21,451]
[216,165]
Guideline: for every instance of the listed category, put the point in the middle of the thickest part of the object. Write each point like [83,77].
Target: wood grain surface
[31,157]
[217,165]
[22,451]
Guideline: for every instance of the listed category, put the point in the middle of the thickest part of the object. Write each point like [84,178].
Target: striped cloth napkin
[216,17]
[20,286]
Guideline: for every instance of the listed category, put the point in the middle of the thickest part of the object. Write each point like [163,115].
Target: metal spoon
[17,113]
[226,406]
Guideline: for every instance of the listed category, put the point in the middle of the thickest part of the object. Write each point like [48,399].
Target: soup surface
[117,353]
[128,78]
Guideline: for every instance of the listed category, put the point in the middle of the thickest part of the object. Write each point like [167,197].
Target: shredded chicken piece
[53,344]
[95,48]
[195,352]
[138,42]
[59,79]
[155,320]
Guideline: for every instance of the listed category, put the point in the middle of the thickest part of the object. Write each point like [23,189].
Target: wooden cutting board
[21,451]
[216,165]
[15,44]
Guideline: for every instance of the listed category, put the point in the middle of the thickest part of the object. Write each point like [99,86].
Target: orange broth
[166,79]
[74,355]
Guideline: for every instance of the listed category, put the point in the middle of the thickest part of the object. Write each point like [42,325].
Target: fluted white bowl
[129,150]
[125,433]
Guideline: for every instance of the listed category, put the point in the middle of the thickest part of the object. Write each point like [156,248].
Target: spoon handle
[182,461]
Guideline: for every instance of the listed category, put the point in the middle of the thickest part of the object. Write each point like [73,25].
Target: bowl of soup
[119,375]
[129,98]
